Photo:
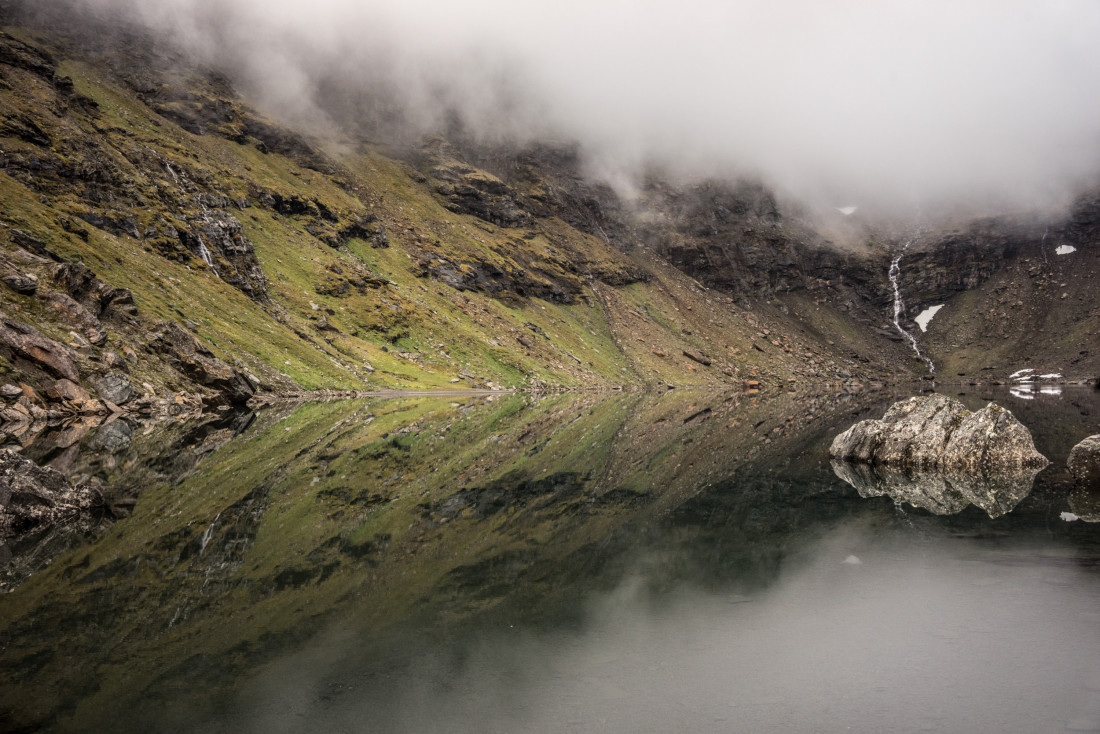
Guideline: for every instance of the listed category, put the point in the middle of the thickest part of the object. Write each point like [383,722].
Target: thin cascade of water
[208,533]
[206,255]
[899,305]
[204,251]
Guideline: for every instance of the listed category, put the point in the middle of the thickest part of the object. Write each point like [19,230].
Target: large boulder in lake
[1084,462]
[938,433]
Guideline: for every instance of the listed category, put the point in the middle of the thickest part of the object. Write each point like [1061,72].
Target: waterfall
[899,305]
[208,534]
[204,253]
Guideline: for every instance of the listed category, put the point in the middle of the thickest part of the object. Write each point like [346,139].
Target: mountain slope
[314,269]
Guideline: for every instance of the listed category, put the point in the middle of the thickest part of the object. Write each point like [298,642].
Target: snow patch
[926,316]
[1064,249]
[1051,376]
[1020,374]
[847,210]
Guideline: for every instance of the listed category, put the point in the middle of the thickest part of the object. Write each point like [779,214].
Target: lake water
[687,561]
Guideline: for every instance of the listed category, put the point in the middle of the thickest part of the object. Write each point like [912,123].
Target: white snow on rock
[1051,376]
[1021,375]
[1064,249]
[847,210]
[926,316]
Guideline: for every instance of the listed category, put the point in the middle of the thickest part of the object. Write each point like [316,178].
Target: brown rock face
[27,342]
[1084,462]
[938,433]
[191,357]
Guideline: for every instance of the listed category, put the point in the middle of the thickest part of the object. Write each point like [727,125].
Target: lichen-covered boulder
[1084,462]
[935,432]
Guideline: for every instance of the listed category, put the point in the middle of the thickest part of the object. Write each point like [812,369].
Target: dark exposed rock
[368,228]
[22,56]
[697,357]
[191,357]
[115,387]
[1084,462]
[938,433]
[21,283]
[32,244]
[22,341]
[219,236]
[32,496]
[99,297]
[119,226]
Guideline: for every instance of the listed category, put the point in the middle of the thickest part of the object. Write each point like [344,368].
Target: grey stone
[1084,462]
[938,433]
[115,387]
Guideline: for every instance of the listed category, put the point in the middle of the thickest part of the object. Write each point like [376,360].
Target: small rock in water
[853,561]
[1069,517]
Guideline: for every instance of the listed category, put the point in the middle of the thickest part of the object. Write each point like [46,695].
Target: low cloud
[888,104]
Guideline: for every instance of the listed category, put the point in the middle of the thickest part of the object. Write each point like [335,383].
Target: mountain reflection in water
[635,562]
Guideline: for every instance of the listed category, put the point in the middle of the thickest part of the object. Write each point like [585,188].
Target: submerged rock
[938,433]
[1084,462]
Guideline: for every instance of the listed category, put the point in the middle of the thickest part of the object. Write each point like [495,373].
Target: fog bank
[886,103]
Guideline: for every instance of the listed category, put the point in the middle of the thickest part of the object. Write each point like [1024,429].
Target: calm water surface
[634,563]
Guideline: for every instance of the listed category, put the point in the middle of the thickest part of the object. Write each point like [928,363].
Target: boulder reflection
[938,492]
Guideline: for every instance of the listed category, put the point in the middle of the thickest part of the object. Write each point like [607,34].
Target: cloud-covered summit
[899,103]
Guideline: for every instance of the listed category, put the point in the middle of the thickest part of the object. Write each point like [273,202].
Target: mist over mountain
[894,106]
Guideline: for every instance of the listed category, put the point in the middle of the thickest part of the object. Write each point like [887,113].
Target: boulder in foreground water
[1084,462]
[938,433]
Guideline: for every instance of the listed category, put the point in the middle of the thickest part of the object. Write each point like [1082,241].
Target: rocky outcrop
[191,357]
[100,298]
[19,341]
[32,496]
[1084,462]
[938,433]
